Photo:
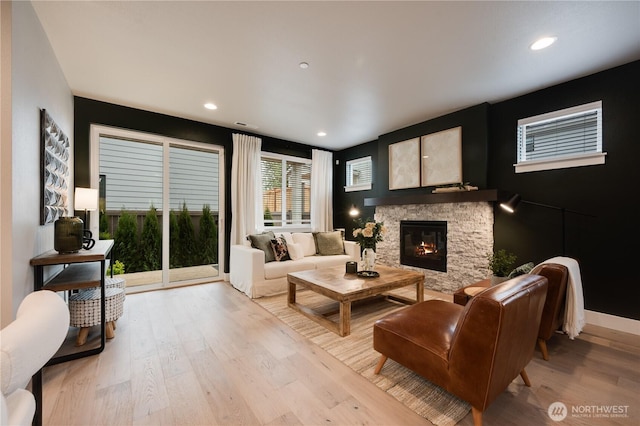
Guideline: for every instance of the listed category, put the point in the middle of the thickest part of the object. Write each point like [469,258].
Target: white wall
[6,276]
[37,82]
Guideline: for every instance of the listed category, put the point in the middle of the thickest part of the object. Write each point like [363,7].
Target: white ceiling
[374,67]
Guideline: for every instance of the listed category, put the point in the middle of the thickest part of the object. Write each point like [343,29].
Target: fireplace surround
[469,240]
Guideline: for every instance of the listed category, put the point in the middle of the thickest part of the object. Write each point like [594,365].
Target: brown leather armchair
[472,351]
[554,305]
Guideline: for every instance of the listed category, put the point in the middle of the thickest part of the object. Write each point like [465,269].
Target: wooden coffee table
[344,288]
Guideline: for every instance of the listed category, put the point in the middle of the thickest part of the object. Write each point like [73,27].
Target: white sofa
[26,344]
[250,274]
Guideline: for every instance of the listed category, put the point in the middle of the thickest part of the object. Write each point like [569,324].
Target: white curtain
[321,190]
[246,188]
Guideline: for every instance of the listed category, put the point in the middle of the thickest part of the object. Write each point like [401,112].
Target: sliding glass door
[161,201]
[194,190]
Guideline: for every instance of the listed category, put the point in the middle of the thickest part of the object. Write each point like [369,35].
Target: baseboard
[613,322]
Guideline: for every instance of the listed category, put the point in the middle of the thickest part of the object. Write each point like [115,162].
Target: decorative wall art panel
[404,164]
[442,157]
[54,171]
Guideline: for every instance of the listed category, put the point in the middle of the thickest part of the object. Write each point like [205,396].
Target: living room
[599,236]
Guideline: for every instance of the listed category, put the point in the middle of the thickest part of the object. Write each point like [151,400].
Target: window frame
[293,227]
[350,187]
[560,161]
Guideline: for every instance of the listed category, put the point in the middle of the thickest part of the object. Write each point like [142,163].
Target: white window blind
[359,174]
[566,138]
[286,190]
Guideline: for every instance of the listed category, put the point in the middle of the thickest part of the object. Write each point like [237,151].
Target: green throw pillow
[521,270]
[328,243]
[263,242]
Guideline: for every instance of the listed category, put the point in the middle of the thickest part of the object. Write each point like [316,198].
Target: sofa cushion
[281,269]
[280,250]
[263,242]
[329,261]
[306,240]
[328,243]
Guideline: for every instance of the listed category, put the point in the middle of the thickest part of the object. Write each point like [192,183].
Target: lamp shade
[86,199]
[513,202]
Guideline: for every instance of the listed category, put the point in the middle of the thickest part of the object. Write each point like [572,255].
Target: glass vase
[368,259]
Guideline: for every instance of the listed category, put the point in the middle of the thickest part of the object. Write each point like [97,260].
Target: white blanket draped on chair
[574,312]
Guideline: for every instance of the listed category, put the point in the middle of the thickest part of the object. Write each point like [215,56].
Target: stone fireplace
[469,239]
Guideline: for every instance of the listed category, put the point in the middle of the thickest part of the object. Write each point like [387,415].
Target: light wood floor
[208,355]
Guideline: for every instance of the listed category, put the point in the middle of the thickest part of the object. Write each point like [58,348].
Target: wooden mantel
[444,197]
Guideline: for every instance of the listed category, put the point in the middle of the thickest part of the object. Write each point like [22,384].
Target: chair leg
[83,333]
[525,378]
[477,416]
[543,348]
[383,359]
[108,331]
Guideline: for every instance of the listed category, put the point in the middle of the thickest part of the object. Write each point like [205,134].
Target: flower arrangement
[367,234]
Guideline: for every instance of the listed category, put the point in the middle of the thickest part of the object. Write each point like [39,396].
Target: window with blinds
[286,190]
[570,137]
[359,174]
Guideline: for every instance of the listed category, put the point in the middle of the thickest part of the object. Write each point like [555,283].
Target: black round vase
[68,234]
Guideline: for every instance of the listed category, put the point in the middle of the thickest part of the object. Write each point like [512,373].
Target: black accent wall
[604,238]
[88,111]
[606,245]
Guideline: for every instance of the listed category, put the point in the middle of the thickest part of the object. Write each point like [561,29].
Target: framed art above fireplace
[441,157]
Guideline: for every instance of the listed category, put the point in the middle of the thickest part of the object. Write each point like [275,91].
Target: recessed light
[321,134]
[543,43]
[209,105]
[304,65]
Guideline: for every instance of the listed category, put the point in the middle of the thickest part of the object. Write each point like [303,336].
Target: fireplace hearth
[423,244]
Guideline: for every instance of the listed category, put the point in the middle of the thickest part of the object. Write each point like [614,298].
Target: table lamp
[86,199]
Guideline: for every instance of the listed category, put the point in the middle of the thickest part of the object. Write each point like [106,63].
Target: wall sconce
[353,211]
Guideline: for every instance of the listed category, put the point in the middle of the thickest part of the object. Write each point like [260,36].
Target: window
[570,137]
[286,190]
[358,174]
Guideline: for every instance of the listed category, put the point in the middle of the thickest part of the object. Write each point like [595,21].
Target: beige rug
[356,350]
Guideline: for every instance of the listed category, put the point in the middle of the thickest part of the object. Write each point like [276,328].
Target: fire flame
[425,249]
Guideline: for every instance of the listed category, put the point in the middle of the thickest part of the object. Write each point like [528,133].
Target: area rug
[356,351]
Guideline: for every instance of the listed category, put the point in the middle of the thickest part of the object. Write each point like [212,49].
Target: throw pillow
[263,242]
[521,270]
[329,243]
[306,240]
[295,251]
[279,247]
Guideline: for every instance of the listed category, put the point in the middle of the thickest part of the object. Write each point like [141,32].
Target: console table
[84,269]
